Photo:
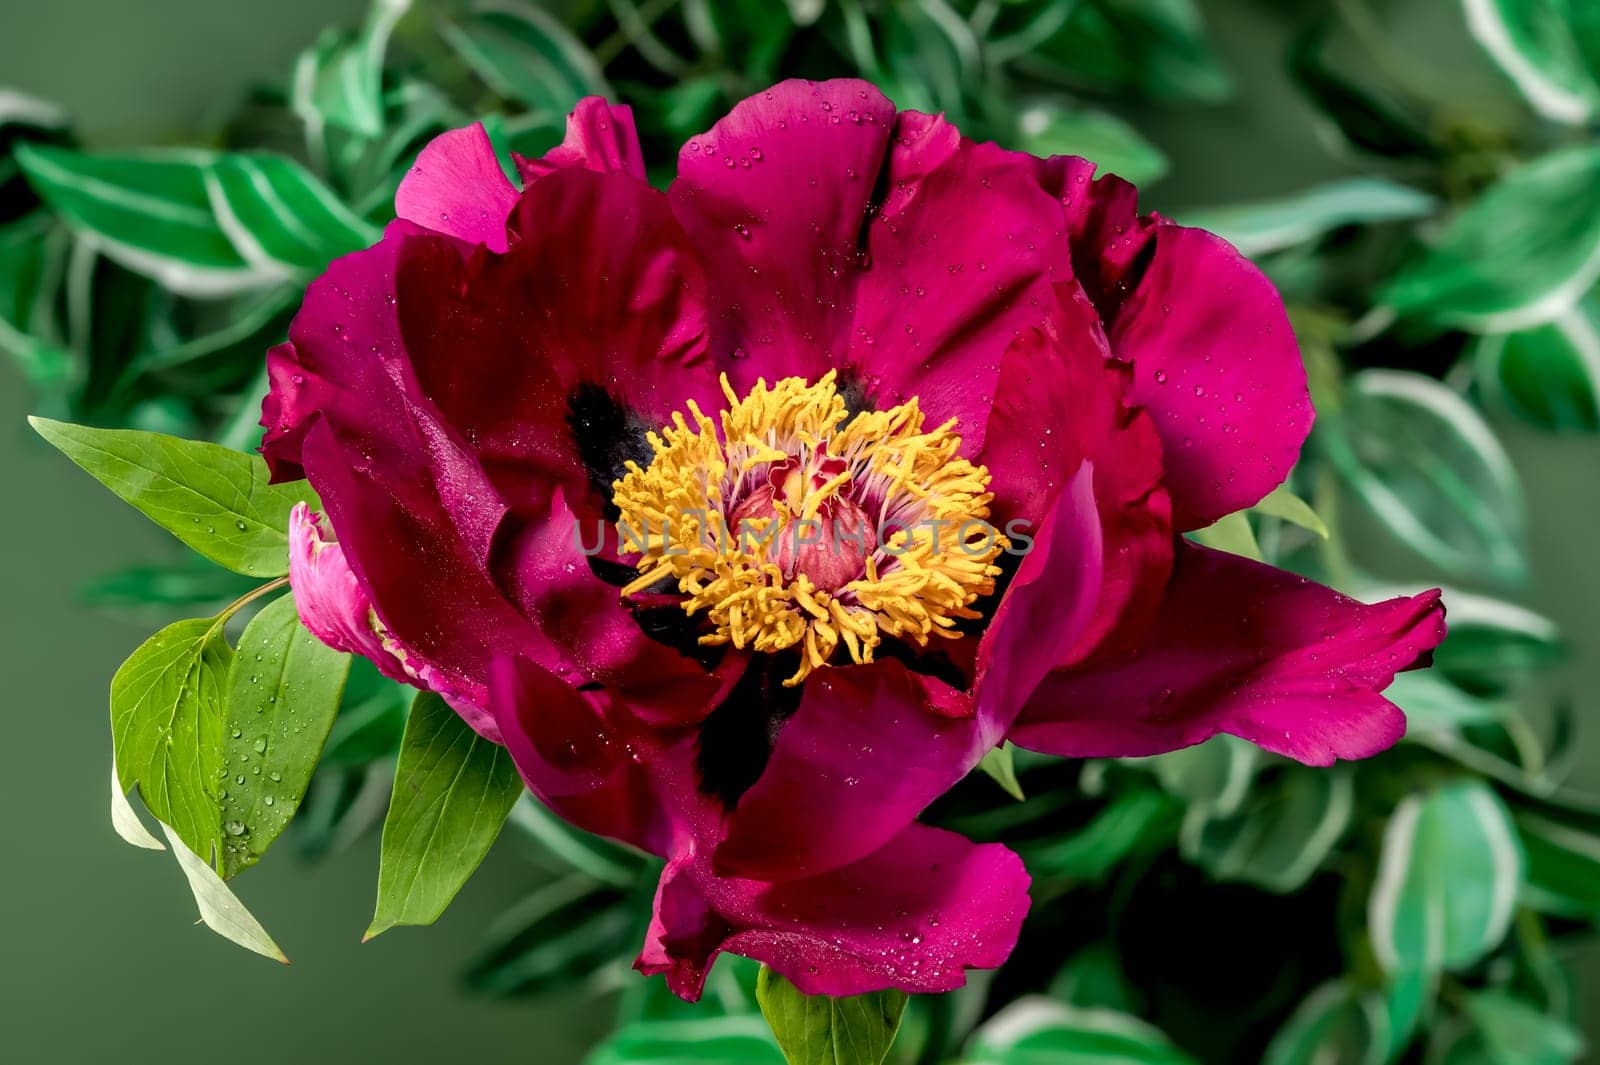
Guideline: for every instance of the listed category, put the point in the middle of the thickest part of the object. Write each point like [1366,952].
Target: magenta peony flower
[750,515]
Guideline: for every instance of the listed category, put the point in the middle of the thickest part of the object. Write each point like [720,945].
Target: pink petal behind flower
[600,136]
[1242,648]
[457,187]
[329,599]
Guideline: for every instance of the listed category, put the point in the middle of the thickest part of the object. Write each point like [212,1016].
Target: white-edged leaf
[740,1040]
[1548,375]
[1519,255]
[1448,879]
[525,53]
[607,862]
[1047,128]
[339,80]
[1037,1031]
[1515,1032]
[1214,775]
[1333,1024]
[202,223]
[1432,704]
[20,109]
[1273,225]
[1532,42]
[126,820]
[1282,833]
[1430,468]
[220,908]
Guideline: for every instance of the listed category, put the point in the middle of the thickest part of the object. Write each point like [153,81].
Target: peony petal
[1214,356]
[1216,365]
[867,755]
[1050,603]
[593,636]
[344,349]
[554,360]
[572,756]
[775,196]
[893,290]
[456,187]
[329,598]
[914,915]
[600,136]
[943,299]
[1245,649]
[405,545]
[1057,406]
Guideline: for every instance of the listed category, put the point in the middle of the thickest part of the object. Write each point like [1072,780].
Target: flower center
[794,523]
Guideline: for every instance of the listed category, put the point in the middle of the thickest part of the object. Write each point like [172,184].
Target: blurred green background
[101,962]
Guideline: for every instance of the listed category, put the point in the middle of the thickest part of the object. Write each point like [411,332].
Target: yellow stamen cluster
[935,560]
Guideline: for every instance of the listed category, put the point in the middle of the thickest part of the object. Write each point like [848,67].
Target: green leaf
[339,80]
[1563,866]
[1284,505]
[556,939]
[279,216]
[32,253]
[371,720]
[524,53]
[573,848]
[167,730]
[1433,704]
[1132,822]
[283,693]
[1429,467]
[200,223]
[1231,533]
[1333,1024]
[1156,47]
[1522,254]
[1447,882]
[150,212]
[1000,765]
[820,1030]
[1034,1031]
[711,1041]
[1047,128]
[1093,978]
[220,908]
[1548,375]
[452,792]
[1374,118]
[1273,225]
[214,499]
[1515,1032]
[187,582]
[1214,775]
[1494,647]
[1532,42]
[1281,835]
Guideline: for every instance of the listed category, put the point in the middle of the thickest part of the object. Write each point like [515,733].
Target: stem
[243,601]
